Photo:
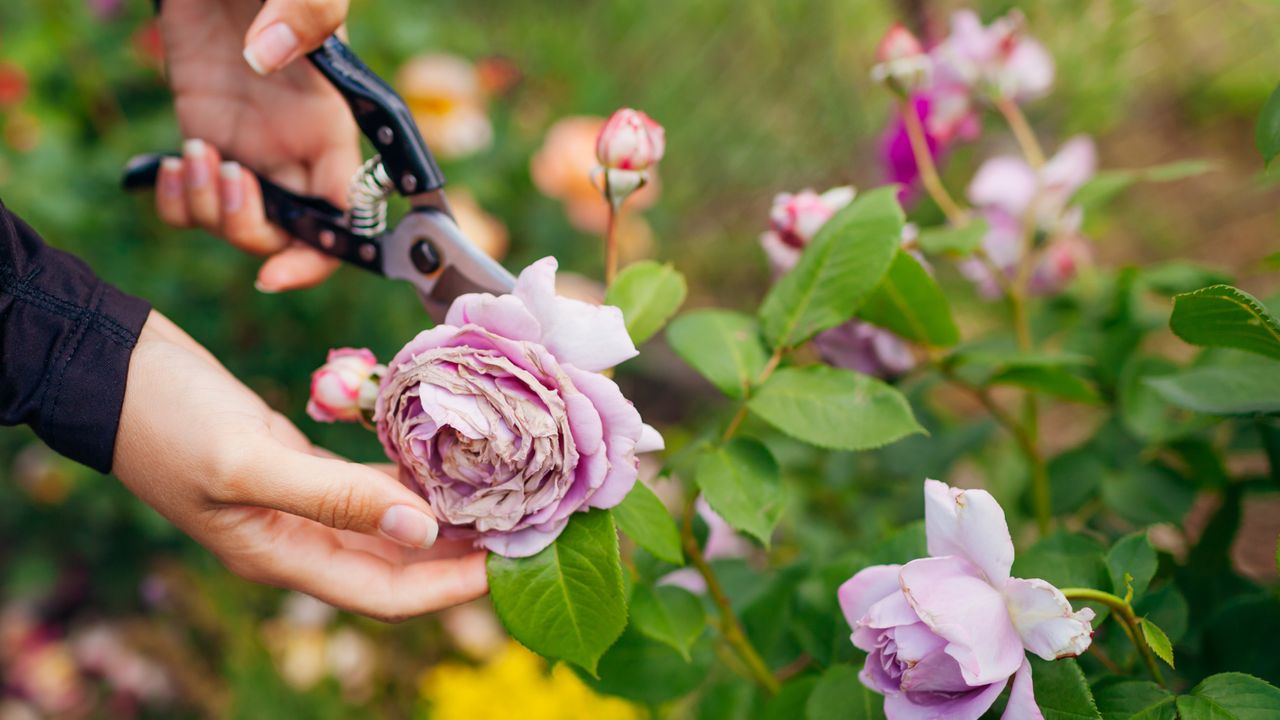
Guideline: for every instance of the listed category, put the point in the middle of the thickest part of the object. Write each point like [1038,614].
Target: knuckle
[343,508]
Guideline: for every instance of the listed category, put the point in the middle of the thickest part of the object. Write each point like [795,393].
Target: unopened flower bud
[630,140]
[902,64]
[344,388]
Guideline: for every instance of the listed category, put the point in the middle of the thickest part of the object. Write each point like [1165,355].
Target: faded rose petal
[866,588]
[969,524]
[523,543]
[1022,697]
[937,706]
[621,427]
[650,439]
[952,597]
[504,315]
[936,672]
[590,337]
[1045,621]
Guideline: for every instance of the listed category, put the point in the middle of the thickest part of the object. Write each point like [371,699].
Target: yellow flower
[447,99]
[516,684]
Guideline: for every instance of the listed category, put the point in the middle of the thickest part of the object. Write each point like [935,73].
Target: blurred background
[106,611]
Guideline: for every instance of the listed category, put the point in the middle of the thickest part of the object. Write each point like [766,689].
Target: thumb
[285,29]
[337,493]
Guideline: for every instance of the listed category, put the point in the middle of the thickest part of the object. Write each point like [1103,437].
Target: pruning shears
[425,247]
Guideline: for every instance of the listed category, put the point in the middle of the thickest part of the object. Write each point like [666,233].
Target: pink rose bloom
[501,419]
[336,385]
[944,634]
[630,140]
[997,60]
[1004,190]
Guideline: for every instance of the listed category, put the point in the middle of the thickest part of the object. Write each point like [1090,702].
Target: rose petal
[1022,697]
[969,524]
[1073,165]
[504,315]
[952,597]
[936,706]
[622,432]
[866,588]
[1007,183]
[935,672]
[590,337]
[523,543]
[891,612]
[650,439]
[1045,621]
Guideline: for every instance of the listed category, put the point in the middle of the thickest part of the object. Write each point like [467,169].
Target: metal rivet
[385,135]
[368,252]
[423,255]
[409,182]
[327,239]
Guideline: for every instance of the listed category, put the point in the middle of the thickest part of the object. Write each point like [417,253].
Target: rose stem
[1021,131]
[729,624]
[746,394]
[956,215]
[611,234]
[1123,612]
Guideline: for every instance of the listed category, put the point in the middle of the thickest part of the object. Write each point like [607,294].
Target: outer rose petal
[590,337]
[622,430]
[950,596]
[1075,162]
[1007,183]
[503,315]
[1045,621]
[866,588]
[523,543]
[1029,70]
[650,439]
[1022,697]
[971,525]
[969,706]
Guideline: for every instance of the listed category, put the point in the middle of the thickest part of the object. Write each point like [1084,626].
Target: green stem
[1128,619]
[956,215]
[741,415]
[730,627]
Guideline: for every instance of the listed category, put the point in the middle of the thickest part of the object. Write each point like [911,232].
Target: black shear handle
[383,117]
[312,220]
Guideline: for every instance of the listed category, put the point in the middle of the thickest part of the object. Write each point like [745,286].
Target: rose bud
[630,140]
[336,387]
[795,218]
[502,420]
[902,64]
[947,633]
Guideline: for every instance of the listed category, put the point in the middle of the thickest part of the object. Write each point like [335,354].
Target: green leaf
[1267,135]
[646,671]
[1174,277]
[1238,390]
[644,519]
[1050,380]
[1061,690]
[1106,185]
[1146,494]
[1065,560]
[909,302]
[1156,640]
[1231,696]
[741,481]
[840,695]
[1134,700]
[648,293]
[834,408]
[843,263]
[566,602]
[1132,556]
[668,614]
[1223,316]
[723,346]
[958,241]
[791,700]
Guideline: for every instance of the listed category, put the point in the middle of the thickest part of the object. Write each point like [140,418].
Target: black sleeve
[65,341]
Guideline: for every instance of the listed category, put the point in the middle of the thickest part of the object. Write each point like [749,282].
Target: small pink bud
[336,385]
[897,44]
[630,140]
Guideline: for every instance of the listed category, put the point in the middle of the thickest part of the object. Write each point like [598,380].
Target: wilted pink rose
[630,140]
[502,420]
[997,60]
[944,634]
[1008,192]
[795,218]
[901,62]
[336,385]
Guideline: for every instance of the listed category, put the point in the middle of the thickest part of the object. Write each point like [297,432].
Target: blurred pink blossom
[901,62]
[997,60]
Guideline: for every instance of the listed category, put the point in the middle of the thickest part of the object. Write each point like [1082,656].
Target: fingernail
[197,168]
[232,186]
[171,177]
[264,289]
[271,49]
[409,526]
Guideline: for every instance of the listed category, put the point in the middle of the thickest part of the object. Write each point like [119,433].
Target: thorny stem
[729,624]
[1128,619]
[928,171]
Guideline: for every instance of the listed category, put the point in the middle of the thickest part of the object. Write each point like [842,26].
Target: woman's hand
[288,124]
[209,455]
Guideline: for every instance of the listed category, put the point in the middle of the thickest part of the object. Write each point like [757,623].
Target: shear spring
[367,195]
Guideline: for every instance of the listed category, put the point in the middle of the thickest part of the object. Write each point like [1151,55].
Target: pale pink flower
[502,419]
[1008,193]
[997,60]
[946,633]
[630,140]
[901,62]
[336,386]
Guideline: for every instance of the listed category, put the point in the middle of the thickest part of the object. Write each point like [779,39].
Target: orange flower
[447,99]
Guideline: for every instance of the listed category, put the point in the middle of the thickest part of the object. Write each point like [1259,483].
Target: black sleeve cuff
[66,338]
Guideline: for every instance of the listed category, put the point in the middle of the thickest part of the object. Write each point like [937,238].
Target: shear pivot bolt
[409,182]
